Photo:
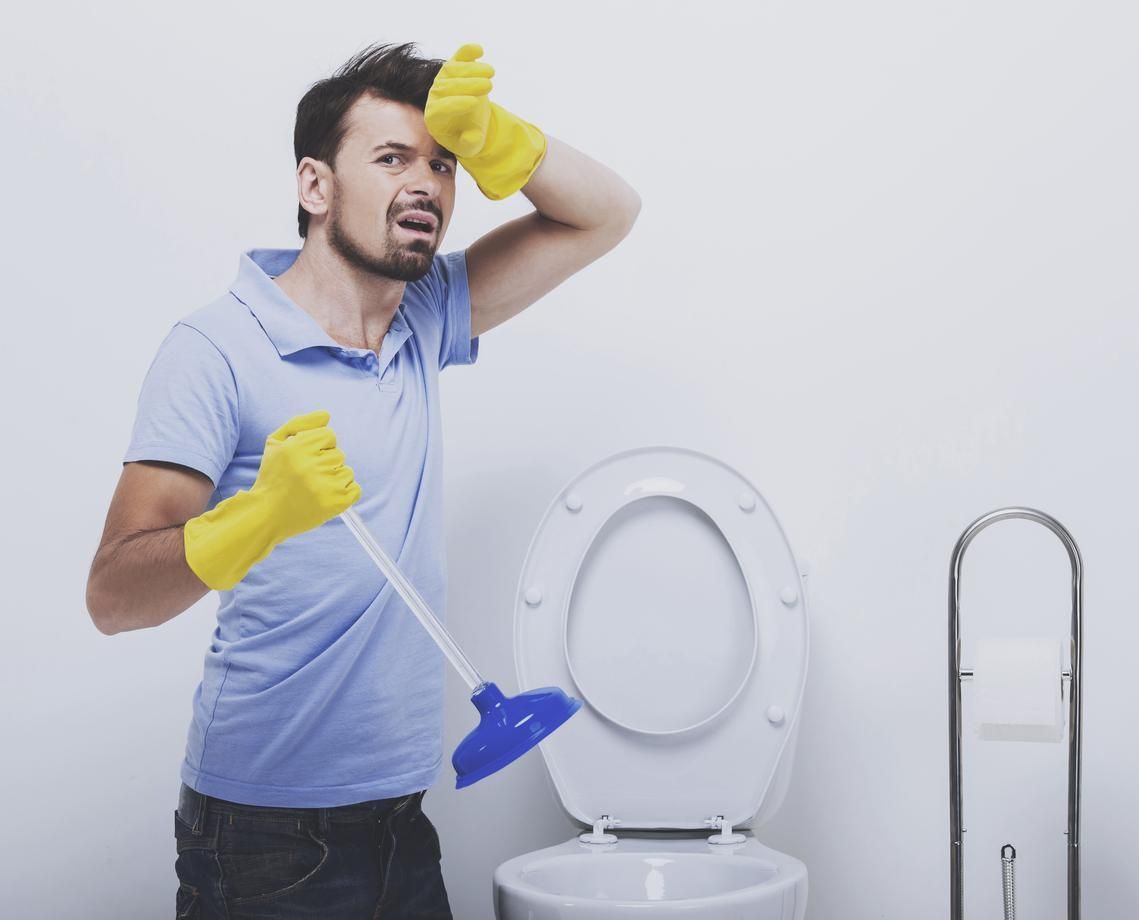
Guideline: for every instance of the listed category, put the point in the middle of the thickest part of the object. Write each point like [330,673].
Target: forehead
[372,121]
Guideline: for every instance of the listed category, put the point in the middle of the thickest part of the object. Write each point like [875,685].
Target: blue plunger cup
[508,726]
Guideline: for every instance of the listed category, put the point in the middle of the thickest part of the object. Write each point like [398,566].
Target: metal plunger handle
[957,674]
[417,604]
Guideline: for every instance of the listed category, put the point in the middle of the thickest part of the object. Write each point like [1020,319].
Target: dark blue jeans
[376,860]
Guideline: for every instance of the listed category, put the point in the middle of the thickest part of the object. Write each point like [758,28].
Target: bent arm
[572,188]
[139,576]
[583,210]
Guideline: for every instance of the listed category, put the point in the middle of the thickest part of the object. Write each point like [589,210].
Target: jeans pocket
[186,904]
[262,859]
[186,839]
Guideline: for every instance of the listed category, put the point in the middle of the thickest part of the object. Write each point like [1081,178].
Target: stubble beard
[401,261]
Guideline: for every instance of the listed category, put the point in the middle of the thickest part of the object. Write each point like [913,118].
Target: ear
[314,185]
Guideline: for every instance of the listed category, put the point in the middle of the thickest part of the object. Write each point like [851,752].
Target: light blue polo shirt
[320,686]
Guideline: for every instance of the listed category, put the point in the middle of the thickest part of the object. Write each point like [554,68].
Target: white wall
[915,302]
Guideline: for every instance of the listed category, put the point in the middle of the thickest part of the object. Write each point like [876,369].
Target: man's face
[375,185]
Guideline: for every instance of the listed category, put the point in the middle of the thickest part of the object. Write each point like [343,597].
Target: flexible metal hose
[1008,855]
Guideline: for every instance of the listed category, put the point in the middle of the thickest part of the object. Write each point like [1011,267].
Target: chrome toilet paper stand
[958,674]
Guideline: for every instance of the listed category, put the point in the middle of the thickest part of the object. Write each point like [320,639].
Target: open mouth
[415,228]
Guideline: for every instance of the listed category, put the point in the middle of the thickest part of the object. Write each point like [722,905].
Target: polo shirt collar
[288,327]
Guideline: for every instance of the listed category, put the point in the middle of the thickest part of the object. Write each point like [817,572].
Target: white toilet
[661,591]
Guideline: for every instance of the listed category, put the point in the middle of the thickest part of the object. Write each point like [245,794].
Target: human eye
[386,156]
[446,166]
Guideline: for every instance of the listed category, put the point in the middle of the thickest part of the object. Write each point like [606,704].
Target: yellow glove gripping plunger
[498,149]
[302,483]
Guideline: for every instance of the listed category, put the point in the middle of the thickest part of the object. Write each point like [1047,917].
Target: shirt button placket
[374,364]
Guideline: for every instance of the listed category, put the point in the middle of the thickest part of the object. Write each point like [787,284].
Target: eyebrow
[396,145]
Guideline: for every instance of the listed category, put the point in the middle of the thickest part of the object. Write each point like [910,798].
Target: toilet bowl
[661,590]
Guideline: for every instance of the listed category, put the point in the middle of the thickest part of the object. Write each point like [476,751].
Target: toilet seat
[661,590]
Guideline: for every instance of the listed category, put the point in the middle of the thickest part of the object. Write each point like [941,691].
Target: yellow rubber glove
[498,149]
[302,482]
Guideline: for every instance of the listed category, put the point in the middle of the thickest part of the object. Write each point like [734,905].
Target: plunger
[508,725]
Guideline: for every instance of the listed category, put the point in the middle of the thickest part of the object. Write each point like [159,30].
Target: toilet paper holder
[958,674]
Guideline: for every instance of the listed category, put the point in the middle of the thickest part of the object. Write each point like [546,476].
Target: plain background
[885,267]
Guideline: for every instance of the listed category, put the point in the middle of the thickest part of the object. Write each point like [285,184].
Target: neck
[354,307]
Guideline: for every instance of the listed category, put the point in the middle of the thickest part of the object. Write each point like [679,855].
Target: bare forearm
[575,189]
[142,580]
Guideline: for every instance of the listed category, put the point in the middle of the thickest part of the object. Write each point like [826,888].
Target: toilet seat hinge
[725,827]
[599,835]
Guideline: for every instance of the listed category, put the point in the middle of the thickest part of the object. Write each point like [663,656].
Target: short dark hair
[389,71]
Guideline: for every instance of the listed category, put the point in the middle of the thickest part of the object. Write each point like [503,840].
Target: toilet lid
[661,590]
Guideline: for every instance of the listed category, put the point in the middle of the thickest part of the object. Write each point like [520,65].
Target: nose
[424,179]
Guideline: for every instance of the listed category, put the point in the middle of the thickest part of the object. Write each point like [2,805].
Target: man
[317,726]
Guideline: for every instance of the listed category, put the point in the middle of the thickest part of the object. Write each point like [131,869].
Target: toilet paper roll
[1019,689]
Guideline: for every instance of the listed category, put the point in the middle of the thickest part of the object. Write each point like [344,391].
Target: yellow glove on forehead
[500,150]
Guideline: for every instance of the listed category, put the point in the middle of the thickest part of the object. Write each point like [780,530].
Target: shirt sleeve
[453,297]
[187,407]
